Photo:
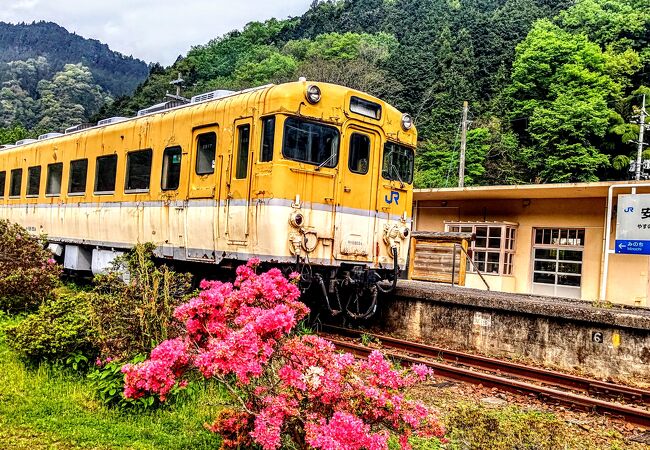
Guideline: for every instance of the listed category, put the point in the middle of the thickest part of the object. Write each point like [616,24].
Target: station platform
[567,334]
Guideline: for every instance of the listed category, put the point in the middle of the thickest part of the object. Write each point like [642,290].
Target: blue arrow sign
[632,247]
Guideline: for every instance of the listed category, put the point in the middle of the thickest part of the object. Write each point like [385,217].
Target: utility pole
[463,145]
[640,142]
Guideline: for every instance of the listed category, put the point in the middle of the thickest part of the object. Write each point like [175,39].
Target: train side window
[16,182]
[206,150]
[268,139]
[171,168]
[105,171]
[359,153]
[33,181]
[54,175]
[78,176]
[244,139]
[138,171]
[3,181]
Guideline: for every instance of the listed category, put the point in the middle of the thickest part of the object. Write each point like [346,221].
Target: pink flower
[242,334]
[423,372]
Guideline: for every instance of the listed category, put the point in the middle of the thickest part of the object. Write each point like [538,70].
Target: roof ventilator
[111,120]
[81,126]
[49,135]
[25,141]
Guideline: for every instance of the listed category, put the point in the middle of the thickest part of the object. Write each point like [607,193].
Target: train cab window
[138,171]
[105,171]
[33,181]
[78,176]
[268,138]
[16,182]
[171,168]
[310,142]
[206,150]
[359,153]
[398,163]
[3,181]
[54,175]
[243,139]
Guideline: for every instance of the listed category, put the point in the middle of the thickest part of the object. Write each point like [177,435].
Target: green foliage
[46,41]
[50,408]
[477,427]
[552,80]
[28,274]
[563,85]
[489,159]
[58,332]
[108,381]
[12,134]
[131,317]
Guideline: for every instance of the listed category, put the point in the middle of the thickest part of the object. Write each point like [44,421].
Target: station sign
[633,224]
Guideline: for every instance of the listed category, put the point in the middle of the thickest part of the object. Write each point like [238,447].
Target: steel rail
[556,379]
[633,415]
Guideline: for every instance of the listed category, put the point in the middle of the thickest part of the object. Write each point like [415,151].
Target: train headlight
[313,94]
[407,121]
[404,233]
[296,219]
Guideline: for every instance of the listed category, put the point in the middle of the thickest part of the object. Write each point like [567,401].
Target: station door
[557,261]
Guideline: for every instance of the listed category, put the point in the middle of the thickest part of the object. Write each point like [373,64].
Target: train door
[355,216]
[238,198]
[203,195]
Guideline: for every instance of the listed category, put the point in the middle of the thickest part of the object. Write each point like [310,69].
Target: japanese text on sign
[633,224]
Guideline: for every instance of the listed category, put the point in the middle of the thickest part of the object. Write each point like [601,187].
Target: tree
[70,98]
[563,85]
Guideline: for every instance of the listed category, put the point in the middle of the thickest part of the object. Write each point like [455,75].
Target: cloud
[149,29]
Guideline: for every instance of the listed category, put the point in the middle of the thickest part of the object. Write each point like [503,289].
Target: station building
[546,239]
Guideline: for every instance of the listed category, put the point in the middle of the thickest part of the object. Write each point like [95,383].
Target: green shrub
[132,317]
[59,330]
[108,381]
[28,274]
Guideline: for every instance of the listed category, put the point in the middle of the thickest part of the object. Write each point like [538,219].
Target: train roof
[208,97]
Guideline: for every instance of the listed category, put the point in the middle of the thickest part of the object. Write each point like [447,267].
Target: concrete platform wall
[609,342]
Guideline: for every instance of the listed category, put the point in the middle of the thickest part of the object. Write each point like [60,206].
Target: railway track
[545,384]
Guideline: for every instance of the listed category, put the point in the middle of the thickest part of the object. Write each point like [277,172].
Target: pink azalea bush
[286,387]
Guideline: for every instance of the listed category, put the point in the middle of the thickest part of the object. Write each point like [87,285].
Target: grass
[47,408]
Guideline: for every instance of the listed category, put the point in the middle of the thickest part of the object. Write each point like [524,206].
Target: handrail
[475,268]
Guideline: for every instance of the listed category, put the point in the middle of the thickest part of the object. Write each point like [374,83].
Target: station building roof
[525,191]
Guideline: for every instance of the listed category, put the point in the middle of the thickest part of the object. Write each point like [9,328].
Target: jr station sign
[633,224]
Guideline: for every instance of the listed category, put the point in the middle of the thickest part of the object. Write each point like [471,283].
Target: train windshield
[310,142]
[398,163]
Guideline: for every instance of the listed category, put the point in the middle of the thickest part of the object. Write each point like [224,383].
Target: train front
[346,164]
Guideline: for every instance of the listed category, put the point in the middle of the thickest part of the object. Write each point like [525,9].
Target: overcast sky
[152,30]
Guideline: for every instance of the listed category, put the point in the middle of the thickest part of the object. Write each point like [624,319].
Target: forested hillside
[552,84]
[50,78]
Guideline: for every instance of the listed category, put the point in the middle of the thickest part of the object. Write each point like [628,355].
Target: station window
[268,139]
[557,261]
[206,150]
[78,176]
[105,171]
[54,175]
[493,251]
[171,168]
[243,140]
[16,182]
[3,181]
[33,181]
[138,171]
[359,153]
[310,142]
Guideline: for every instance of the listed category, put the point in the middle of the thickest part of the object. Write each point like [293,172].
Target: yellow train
[303,172]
